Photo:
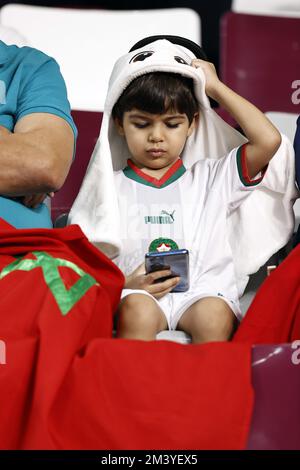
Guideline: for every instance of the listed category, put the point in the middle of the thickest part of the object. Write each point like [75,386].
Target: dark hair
[157,93]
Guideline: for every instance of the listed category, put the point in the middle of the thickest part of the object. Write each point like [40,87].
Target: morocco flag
[67,384]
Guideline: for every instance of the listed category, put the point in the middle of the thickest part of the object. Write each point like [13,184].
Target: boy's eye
[140,125]
[172,125]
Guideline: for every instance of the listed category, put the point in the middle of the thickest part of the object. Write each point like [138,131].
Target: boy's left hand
[212,80]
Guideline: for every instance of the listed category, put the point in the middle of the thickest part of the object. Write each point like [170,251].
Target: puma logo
[170,214]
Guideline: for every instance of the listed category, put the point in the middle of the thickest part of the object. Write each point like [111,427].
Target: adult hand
[33,200]
[4,131]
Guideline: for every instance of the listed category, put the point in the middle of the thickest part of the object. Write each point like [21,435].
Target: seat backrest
[86,43]
[267,7]
[11,36]
[287,124]
[88,124]
[297,151]
[260,59]
[276,381]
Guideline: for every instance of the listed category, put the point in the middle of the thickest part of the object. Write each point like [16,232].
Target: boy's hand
[263,138]
[212,80]
[139,280]
[33,200]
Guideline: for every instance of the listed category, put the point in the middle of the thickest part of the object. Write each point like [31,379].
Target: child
[157,105]
[156,114]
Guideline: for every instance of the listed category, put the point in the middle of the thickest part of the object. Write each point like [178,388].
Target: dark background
[210,12]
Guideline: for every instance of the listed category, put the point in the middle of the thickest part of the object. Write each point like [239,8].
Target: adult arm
[36,157]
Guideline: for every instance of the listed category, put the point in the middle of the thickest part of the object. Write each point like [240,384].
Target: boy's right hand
[140,280]
[212,81]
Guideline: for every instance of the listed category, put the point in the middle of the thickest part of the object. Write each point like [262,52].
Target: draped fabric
[66,383]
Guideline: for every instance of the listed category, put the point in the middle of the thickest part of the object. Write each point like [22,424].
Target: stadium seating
[260,59]
[287,123]
[88,124]
[275,377]
[267,7]
[86,43]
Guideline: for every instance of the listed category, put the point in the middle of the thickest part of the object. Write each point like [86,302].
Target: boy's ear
[193,124]
[119,126]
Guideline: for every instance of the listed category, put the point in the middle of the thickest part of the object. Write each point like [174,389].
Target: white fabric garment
[261,225]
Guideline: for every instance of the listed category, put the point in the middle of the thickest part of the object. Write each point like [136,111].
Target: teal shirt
[30,82]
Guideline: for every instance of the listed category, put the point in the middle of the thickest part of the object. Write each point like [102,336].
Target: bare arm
[264,138]
[36,157]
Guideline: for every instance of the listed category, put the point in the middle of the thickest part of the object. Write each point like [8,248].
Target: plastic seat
[287,124]
[86,43]
[11,36]
[88,124]
[260,59]
[297,156]
[176,336]
[297,151]
[267,7]
[276,381]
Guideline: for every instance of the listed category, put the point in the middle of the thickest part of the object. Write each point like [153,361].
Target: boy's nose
[155,134]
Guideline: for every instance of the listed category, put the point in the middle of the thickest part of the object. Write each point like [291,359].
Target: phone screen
[176,260]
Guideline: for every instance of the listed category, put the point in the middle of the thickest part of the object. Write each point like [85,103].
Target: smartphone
[175,260]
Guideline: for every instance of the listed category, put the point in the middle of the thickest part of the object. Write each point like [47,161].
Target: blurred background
[209,11]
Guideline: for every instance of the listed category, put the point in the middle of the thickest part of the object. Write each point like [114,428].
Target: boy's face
[155,140]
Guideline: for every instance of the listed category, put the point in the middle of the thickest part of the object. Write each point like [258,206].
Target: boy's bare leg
[140,318]
[208,319]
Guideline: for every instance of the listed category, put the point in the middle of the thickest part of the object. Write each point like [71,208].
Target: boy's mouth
[156,152]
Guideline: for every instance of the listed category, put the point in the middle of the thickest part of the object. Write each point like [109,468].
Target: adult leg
[140,318]
[208,319]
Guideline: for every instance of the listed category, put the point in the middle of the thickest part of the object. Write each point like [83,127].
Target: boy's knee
[221,325]
[218,323]
[135,303]
[139,310]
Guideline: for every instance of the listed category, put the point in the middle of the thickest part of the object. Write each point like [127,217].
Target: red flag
[57,293]
[67,384]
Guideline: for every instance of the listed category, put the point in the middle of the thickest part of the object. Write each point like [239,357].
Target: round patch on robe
[163,244]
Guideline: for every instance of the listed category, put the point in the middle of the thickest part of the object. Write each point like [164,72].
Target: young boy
[156,115]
